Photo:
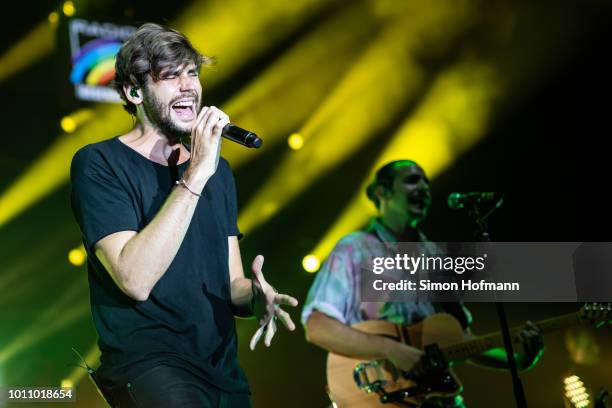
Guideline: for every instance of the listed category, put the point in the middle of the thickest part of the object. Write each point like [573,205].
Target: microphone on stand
[458,201]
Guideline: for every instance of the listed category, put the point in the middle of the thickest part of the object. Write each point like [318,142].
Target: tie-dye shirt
[336,288]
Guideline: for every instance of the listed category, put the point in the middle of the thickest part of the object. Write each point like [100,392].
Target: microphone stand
[482,234]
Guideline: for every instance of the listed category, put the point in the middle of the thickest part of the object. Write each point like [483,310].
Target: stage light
[311,263]
[53,17]
[77,256]
[575,392]
[68,8]
[71,122]
[67,383]
[68,124]
[295,141]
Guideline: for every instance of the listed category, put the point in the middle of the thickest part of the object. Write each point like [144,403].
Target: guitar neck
[471,348]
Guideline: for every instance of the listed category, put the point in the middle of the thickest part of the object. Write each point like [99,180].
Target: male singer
[159,225]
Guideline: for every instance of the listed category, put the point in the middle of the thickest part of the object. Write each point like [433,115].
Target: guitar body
[364,384]
[344,382]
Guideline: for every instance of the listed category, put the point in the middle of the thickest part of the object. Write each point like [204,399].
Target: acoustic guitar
[364,384]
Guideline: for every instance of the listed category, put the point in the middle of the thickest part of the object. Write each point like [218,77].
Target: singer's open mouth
[184,108]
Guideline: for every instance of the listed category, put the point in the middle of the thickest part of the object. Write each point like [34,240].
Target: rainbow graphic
[94,63]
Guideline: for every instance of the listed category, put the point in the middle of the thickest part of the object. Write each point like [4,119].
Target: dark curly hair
[151,49]
[384,177]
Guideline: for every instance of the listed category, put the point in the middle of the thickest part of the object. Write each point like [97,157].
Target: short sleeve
[230,185]
[100,204]
[331,290]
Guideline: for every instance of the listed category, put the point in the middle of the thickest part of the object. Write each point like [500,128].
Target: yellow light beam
[70,306]
[52,168]
[280,99]
[451,119]
[36,45]
[16,276]
[510,67]
[34,334]
[236,30]
[381,82]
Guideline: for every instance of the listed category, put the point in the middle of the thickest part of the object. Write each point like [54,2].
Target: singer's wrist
[184,184]
[196,180]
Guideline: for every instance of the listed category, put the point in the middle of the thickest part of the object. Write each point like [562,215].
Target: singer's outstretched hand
[267,306]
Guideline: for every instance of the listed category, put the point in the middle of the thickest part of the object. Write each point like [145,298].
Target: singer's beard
[160,117]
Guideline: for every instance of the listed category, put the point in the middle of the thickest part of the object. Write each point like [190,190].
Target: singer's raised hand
[205,146]
[267,306]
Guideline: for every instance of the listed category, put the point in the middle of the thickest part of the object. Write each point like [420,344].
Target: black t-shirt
[187,320]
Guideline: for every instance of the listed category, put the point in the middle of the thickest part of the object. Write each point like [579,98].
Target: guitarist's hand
[533,345]
[432,362]
[402,355]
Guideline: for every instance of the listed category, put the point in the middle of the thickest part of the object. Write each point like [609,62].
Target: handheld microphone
[460,200]
[241,136]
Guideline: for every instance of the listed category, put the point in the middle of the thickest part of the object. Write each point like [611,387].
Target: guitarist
[401,193]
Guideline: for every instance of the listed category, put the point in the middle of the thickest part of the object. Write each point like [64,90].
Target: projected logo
[93,48]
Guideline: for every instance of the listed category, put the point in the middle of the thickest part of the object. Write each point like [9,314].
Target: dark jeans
[170,387]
